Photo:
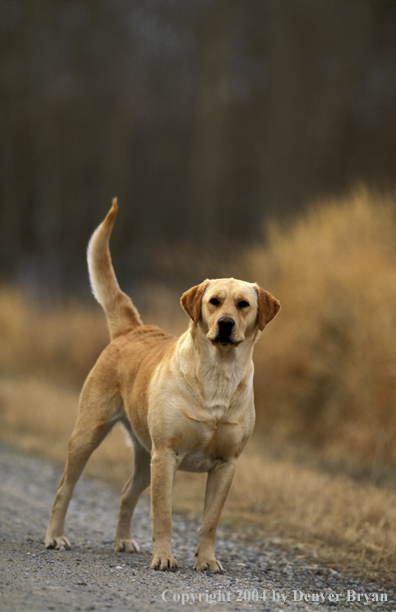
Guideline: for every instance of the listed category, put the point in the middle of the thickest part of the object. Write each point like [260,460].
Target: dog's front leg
[163,468]
[217,488]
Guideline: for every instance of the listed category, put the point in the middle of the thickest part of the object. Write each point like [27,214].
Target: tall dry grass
[60,341]
[326,366]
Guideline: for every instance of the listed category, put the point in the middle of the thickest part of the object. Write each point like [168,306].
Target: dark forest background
[206,118]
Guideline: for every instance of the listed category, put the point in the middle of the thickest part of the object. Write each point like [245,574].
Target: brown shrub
[326,367]
[61,342]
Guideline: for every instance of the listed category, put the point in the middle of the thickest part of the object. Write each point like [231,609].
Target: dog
[187,403]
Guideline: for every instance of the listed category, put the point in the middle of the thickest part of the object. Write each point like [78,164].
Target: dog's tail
[121,314]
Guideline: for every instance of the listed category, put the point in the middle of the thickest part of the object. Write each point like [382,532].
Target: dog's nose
[225,325]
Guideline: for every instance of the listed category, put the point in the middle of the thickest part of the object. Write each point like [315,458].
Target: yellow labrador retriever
[186,402]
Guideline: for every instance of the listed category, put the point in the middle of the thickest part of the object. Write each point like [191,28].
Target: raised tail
[121,314]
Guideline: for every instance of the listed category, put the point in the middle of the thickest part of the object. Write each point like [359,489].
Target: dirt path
[92,577]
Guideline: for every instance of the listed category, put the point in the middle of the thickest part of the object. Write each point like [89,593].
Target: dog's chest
[213,440]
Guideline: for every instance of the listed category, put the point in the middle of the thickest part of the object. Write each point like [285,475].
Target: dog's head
[229,310]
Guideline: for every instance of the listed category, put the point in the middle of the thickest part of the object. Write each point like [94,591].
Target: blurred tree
[204,117]
[211,34]
[318,51]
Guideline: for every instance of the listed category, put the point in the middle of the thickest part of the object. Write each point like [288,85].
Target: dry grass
[308,505]
[328,361]
[61,342]
[325,380]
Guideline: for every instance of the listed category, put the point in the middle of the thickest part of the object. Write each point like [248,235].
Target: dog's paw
[128,546]
[210,565]
[164,563]
[59,543]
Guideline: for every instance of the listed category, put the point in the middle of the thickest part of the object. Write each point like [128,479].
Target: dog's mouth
[225,340]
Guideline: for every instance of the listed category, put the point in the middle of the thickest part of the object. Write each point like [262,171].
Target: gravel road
[259,575]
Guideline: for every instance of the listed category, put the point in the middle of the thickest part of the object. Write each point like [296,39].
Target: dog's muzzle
[225,326]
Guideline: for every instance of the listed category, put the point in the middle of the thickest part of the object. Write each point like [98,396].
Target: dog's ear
[268,307]
[191,301]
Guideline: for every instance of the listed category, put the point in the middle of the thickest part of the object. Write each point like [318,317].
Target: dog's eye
[214,301]
[243,304]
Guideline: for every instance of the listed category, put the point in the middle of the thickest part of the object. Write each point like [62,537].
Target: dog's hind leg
[93,424]
[139,481]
